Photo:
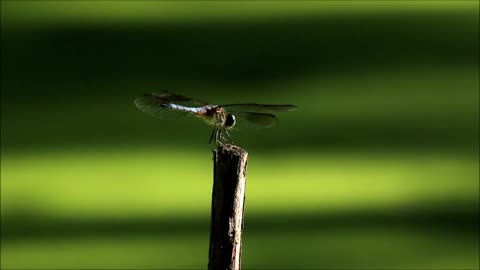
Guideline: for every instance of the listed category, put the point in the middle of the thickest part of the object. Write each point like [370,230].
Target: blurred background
[378,169]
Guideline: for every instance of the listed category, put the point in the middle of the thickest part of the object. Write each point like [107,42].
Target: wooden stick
[228,200]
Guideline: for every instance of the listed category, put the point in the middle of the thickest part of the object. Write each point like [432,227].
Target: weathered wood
[228,200]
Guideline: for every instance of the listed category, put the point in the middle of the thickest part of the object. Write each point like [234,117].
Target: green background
[378,169]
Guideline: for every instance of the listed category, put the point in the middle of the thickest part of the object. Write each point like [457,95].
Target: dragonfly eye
[230,121]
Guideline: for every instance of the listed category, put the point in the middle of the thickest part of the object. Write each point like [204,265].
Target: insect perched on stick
[221,117]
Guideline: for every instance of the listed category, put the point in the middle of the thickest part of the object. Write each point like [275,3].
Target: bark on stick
[228,201]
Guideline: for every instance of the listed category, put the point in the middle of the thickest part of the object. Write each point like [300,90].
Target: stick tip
[232,150]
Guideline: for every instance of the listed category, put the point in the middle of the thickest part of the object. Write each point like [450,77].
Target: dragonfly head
[229,121]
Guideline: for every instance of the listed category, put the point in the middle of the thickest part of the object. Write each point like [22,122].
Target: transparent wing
[169,97]
[260,108]
[256,120]
[154,104]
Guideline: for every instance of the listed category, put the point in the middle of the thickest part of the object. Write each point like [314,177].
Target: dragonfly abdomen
[172,106]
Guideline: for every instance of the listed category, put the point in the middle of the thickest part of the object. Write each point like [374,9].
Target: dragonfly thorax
[219,117]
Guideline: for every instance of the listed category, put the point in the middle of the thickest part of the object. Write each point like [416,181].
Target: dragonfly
[223,118]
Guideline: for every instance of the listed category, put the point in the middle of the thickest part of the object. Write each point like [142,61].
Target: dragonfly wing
[259,108]
[256,120]
[169,97]
[155,105]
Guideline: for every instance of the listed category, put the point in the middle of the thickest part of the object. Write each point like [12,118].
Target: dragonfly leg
[222,137]
[218,142]
[229,137]
[225,136]
[211,137]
